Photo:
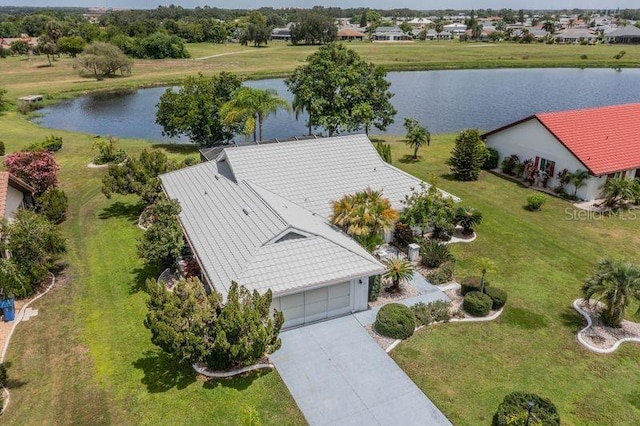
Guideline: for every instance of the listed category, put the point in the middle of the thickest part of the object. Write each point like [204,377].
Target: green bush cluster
[434,253]
[2,148]
[443,274]
[427,313]
[497,295]
[375,286]
[491,159]
[51,143]
[53,205]
[396,321]
[477,304]
[514,410]
[535,201]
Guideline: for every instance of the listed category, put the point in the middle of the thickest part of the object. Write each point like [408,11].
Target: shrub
[467,156]
[162,243]
[2,148]
[108,154]
[403,234]
[468,218]
[443,230]
[620,54]
[4,378]
[51,143]
[384,150]
[497,295]
[53,205]
[375,285]
[514,410]
[491,159]
[396,321]
[535,201]
[509,163]
[191,161]
[583,57]
[427,313]
[434,253]
[477,304]
[471,283]
[443,274]
[38,168]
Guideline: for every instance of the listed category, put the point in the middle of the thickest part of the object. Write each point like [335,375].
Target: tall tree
[103,60]
[251,107]
[336,85]
[194,110]
[467,155]
[417,136]
[313,27]
[257,30]
[616,284]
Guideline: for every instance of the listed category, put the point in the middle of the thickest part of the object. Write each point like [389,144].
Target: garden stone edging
[230,373]
[479,319]
[589,323]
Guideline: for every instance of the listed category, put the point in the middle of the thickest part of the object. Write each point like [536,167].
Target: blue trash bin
[8,309]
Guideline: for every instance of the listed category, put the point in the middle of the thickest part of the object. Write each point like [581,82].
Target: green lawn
[87,358]
[542,259]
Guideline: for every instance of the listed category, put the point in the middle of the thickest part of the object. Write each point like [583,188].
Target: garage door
[314,305]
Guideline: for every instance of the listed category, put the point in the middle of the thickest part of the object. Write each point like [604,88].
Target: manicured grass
[542,258]
[87,358]
[21,76]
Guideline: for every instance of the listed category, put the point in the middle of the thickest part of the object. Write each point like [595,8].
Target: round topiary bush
[520,408]
[497,295]
[470,284]
[395,320]
[477,304]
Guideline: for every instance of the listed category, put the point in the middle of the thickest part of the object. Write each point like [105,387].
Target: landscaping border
[231,373]
[592,348]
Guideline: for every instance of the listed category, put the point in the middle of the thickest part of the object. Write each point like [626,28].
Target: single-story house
[434,35]
[259,215]
[456,28]
[390,34]
[349,34]
[628,34]
[602,141]
[283,34]
[576,35]
[14,195]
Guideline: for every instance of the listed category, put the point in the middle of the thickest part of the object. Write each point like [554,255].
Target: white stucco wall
[531,139]
[13,203]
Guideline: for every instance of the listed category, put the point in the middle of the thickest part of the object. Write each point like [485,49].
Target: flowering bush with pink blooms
[38,168]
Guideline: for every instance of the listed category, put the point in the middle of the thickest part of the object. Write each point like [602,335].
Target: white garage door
[314,305]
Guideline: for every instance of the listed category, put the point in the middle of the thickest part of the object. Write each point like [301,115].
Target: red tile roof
[604,139]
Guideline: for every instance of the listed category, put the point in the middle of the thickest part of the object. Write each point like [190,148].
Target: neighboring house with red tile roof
[14,194]
[604,141]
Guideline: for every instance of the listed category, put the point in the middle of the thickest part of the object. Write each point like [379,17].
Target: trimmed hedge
[514,410]
[497,295]
[471,283]
[477,304]
[436,311]
[396,321]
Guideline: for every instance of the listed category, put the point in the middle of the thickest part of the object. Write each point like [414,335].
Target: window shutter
[537,162]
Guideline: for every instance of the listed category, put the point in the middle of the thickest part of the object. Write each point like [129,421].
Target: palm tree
[364,215]
[398,270]
[252,106]
[578,179]
[616,284]
[299,106]
[417,136]
[549,27]
[439,28]
[468,218]
[486,265]
[618,189]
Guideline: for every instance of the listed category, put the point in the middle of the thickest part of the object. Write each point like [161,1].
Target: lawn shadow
[524,318]
[141,275]
[177,148]
[572,319]
[162,373]
[239,383]
[408,159]
[12,382]
[129,211]
[448,176]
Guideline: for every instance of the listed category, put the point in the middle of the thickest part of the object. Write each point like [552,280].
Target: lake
[444,101]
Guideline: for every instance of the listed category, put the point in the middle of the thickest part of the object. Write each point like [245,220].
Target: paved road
[339,375]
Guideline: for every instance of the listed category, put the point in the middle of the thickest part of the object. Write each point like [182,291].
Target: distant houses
[350,34]
[390,34]
[628,34]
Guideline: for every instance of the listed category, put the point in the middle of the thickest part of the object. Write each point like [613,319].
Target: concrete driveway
[339,375]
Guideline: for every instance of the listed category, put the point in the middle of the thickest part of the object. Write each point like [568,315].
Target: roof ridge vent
[247,210]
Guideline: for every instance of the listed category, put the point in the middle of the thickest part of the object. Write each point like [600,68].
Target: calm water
[444,101]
